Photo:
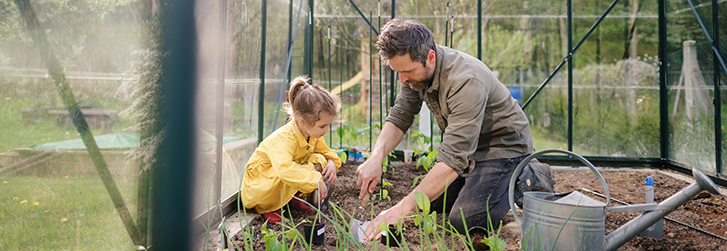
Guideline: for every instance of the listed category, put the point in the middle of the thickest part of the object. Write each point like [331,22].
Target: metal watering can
[573,221]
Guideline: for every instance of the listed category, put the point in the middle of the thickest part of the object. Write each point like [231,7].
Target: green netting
[705,57]
[116,141]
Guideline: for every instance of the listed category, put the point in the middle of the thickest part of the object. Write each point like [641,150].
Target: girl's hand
[323,190]
[329,173]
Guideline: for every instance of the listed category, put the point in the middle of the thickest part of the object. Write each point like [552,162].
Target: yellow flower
[36,203]
[66,177]
[5,182]
[24,201]
[64,220]
[15,198]
[7,98]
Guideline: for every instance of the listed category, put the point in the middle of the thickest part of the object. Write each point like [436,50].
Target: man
[486,134]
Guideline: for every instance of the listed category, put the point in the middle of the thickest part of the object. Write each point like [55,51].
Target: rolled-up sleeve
[407,106]
[467,103]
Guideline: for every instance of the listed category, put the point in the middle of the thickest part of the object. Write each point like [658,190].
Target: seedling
[386,165]
[343,156]
[271,238]
[493,241]
[383,192]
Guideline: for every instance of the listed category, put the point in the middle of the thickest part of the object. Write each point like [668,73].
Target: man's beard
[422,84]
[419,85]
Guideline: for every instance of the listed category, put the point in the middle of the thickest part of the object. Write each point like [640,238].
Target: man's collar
[437,70]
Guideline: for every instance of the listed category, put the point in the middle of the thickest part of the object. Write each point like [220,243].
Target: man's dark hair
[400,36]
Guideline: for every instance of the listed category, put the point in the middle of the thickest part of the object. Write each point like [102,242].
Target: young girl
[284,164]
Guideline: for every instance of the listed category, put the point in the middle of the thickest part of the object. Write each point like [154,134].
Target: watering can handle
[516,173]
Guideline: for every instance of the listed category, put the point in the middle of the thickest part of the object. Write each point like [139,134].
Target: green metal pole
[340,93]
[261,92]
[371,83]
[446,25]
[308,50]
[451,33]
[173,181]
[364,17]
[479,30]
[392,99]
[706,34]
[382,93]
[330,135]
[598,39]
[570,75]
[663,91]
[290,39]
[220,101]
[717,94]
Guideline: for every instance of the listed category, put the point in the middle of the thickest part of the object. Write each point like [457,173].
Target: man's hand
[369,175]
[389,216]
[432,185]
[329,173]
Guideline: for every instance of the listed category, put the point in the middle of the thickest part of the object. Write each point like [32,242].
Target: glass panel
[690,88]
[210,62]
[56,193]
[616,100]
[525,42]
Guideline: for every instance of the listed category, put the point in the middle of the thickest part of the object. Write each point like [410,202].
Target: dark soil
[705,211]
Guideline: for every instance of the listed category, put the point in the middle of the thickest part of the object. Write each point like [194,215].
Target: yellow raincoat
[282,165]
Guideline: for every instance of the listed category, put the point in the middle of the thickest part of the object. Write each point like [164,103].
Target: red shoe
[298,204]
[273,217]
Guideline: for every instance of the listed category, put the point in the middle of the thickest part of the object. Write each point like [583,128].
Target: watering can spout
[629,230]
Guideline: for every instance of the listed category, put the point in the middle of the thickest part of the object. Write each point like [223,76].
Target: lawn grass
[18,133]
[542,142]
[61,213]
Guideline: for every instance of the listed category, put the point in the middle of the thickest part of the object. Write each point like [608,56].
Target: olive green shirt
[480,119]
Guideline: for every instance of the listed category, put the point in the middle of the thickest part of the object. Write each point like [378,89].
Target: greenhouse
[417,125]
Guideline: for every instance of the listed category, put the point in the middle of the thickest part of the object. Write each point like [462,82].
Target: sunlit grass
[61,213]
[543,142]
[18,133]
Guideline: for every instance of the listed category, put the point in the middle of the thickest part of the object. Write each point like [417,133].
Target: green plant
[271,238]
[426,220]
[386,165]
[383,192]
[428,160]
[493,241]
[348,134]
[343,156]
[426,156]
[422,142]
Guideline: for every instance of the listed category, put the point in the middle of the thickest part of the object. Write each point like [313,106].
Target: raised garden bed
[706,211]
